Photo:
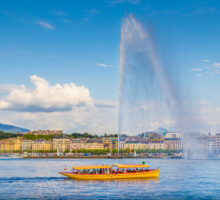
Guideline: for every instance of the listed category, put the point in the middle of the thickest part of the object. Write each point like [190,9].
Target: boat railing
[111,170]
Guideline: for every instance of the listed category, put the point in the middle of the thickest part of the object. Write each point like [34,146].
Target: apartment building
[156,144]
[61,144]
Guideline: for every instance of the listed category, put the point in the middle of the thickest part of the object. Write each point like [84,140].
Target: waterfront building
[112,143]
[173,141]
[3,145]
[211,143]
[10,145]
[173,135]
[78,143]
[26,145]
[156,144]
[135,145]
[61,144]
[218,141]
[41,145]
[94,145]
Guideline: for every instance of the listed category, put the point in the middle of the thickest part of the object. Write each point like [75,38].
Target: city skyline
[59,62]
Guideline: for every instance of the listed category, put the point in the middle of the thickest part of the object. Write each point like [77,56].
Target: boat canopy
[130,166]
[92,167]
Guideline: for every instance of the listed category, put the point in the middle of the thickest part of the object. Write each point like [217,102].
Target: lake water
[179,179]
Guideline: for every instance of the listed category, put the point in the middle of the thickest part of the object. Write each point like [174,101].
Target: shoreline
[93,157]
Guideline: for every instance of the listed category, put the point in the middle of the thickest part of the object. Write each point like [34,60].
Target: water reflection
[124,180]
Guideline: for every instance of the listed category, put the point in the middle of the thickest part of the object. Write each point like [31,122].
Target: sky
[59,60]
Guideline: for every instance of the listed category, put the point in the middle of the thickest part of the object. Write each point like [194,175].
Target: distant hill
[12,129]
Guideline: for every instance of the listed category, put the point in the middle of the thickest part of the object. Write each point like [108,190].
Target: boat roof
[130,166]
[92,167]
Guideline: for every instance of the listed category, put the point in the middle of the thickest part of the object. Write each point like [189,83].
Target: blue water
[179,179]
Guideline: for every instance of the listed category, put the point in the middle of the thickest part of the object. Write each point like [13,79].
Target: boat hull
[148,174]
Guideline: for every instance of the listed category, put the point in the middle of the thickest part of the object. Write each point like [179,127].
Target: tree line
[87,135]
[6,135]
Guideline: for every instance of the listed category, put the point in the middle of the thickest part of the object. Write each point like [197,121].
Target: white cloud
[45,97]
[199,75]
[46,25]
[4,104]
[8,87]
[98,120]
[104,65]
[216,65]
[196,69]
[67,106]
[206,61]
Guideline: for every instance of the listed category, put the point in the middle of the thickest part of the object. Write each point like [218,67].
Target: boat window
[114,169]
[89,171]
[97,171]
[105,171]
[121,170]
[74,171]
[81,171]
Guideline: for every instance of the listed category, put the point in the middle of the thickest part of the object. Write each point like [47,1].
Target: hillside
[12,129]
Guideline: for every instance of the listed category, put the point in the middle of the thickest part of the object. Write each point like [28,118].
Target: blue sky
[78,42]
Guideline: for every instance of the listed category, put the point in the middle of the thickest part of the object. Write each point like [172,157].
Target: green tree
[6,135]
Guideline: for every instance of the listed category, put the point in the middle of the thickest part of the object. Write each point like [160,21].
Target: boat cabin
[111,169]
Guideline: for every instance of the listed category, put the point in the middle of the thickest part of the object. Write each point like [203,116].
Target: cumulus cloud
[98,120]
[46,25]
[45,97]
[8,87]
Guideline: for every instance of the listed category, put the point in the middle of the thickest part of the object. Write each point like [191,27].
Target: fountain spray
[143,79]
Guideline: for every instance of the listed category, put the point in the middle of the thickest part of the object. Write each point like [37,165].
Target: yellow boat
[117,171]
